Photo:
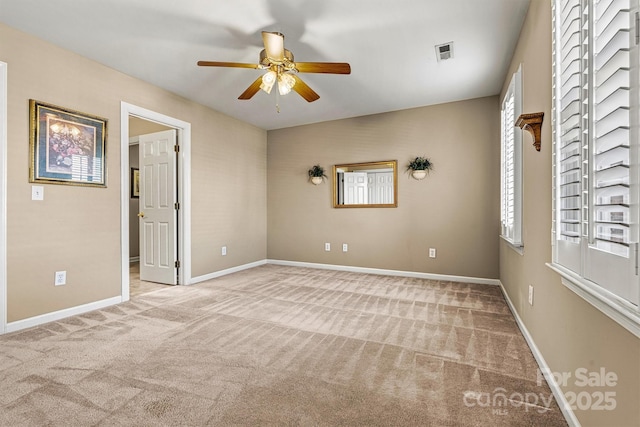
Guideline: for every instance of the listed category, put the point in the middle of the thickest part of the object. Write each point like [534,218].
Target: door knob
[141,215]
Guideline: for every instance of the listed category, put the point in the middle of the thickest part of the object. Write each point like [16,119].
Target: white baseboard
[221,273]
[383,272]
[61,314]
[568,413]
[134,259]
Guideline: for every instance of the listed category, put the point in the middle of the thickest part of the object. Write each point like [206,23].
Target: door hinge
[635,249]
[637,28]
[176,148]
[176,205]
[177,264]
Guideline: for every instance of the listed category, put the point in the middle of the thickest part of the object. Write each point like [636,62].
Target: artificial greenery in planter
[316,174]
[420,167]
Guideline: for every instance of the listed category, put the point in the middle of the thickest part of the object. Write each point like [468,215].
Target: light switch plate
[37,192]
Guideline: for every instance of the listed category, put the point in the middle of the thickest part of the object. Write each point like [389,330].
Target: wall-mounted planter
[420,167]
[419,174]
[316,175]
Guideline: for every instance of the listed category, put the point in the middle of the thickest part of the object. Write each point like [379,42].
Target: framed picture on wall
[135,183]
[66,146]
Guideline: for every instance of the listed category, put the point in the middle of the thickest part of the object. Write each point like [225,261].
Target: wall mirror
[366,185]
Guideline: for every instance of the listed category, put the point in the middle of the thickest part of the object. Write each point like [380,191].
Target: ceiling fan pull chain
[278,100]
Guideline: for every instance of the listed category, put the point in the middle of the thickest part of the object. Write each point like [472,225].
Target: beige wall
[569,332]
[77,229]
[138,126]
[454,210]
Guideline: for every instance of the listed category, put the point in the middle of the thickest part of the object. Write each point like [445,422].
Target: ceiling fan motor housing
[266,61]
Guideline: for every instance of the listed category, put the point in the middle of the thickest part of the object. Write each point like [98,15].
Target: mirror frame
[374,165]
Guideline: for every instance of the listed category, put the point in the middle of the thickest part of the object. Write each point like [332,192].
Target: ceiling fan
[282,70]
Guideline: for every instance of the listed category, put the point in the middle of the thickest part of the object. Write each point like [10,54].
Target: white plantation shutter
[571,121]
[508,195]
[595,129]
[610,179]
[511,165]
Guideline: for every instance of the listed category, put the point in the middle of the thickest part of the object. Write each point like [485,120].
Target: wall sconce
[532,123]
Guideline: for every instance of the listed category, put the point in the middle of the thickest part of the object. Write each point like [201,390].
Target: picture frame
[66,146]
[135,183]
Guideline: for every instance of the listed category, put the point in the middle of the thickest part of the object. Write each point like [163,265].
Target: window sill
[518,248]
[624,313]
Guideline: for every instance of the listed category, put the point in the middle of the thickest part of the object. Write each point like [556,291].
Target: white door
[384,185]
[355,188]
[372,189]
[380,187]
[158,214]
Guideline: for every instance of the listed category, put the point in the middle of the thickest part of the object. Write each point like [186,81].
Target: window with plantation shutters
[595,130]
[511,164]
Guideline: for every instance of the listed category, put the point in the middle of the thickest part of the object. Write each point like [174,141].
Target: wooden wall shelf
[533,124]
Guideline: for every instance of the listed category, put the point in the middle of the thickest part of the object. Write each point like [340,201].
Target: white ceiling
[389,44]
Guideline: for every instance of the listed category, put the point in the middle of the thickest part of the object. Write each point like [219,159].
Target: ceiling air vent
[444,51]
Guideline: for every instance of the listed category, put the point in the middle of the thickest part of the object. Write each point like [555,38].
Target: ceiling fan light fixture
[285,83]
[268,80]
[281,69]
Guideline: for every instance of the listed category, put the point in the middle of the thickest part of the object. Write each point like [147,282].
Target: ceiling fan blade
[251,90]
[324,67]
[227,64]
[304,90]
[273,45]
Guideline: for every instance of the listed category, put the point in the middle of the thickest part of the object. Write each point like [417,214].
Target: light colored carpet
[280,345]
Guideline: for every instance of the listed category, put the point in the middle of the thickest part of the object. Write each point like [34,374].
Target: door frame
[184,190]
[3,197]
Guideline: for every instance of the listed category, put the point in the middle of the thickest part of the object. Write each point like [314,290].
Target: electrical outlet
[345,247]
[530,294]
[224,250]
[327,247]
[60,278]
[432,252]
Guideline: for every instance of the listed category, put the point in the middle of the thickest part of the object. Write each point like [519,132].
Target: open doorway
[137,121]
